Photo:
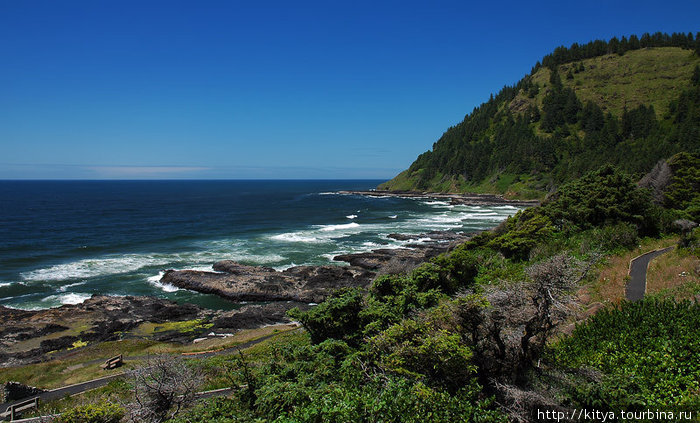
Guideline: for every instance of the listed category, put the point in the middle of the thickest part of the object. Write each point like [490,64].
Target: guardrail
[15,410]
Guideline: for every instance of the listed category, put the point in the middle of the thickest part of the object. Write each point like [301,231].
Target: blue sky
[228,89]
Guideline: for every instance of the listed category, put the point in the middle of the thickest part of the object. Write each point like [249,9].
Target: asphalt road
[637,285]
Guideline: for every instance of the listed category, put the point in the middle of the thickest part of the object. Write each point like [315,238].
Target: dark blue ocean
[62,241]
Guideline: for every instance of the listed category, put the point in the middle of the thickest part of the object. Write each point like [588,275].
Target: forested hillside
[628,102]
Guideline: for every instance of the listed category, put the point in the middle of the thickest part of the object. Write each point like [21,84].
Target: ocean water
[62,241]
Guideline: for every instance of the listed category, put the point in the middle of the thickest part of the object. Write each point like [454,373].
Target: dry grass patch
[674,274]
[609,285]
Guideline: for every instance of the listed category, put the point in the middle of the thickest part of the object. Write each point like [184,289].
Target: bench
[15,410]
[113,363]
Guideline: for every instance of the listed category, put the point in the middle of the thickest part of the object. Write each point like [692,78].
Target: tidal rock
[252,283]
[27,336]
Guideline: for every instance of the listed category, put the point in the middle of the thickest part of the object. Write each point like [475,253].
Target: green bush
[524,231]
[605,196]
[417,349]
[648,351]
[102,412]
[335,318]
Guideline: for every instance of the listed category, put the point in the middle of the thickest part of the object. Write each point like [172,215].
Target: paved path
[637,285]
[96,383]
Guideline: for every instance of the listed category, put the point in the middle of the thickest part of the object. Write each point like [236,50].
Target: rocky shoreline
[466,199]
[34,336]
[31,336]
[311,284]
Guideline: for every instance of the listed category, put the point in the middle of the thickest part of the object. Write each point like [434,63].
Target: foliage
[604,196]
[421,351]
[647,350]
[216,410]
[335,318]
[102,412]
[523,231]
[683,192]
[565,130]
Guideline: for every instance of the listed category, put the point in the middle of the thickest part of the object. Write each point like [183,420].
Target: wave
[351,216]
[393,216]
[436,203]
[94,267]
[295,237]
[322,233]
[155,281]
[328,228]
[71,298]
[64,288]
[129,263]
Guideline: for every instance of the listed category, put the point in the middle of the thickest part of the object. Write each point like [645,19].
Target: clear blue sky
[291,89]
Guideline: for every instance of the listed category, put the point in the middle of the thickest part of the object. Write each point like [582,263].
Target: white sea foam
[64,288]
[351,216]
[320,234]
[393,216]
[285,267]
[89,268]
[4,284]
[295,237]
[155,281]
[327,228]
[71,298]
[436,203]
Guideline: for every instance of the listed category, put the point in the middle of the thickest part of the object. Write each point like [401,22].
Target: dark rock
[49,345]
[109,318]
[252,283]
[403,237]
[255,316]
[14,391]
[234,268]
[469,199]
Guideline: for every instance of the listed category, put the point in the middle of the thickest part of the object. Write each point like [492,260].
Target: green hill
[628,102]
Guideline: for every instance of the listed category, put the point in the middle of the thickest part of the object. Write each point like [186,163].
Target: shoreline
[465,199]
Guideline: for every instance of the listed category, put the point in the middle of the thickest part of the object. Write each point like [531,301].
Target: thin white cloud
[144,171]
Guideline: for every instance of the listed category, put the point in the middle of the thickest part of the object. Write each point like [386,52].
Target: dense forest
[548,128]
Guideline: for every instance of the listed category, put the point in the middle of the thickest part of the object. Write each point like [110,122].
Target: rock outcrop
[312,284]
[307,284]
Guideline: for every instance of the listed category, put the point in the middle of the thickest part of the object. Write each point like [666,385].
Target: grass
[84,364]
[75,328]
[674,274]
[185,326]
[647,76]
[609,285]
[118,391]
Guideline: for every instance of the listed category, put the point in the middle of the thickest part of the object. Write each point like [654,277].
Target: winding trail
[637,285]
[97,383]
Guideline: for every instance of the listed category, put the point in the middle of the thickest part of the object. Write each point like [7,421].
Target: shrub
[102,412]
[647,350]
[335,318]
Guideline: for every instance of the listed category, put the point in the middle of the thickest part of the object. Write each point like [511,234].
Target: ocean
[62,241]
